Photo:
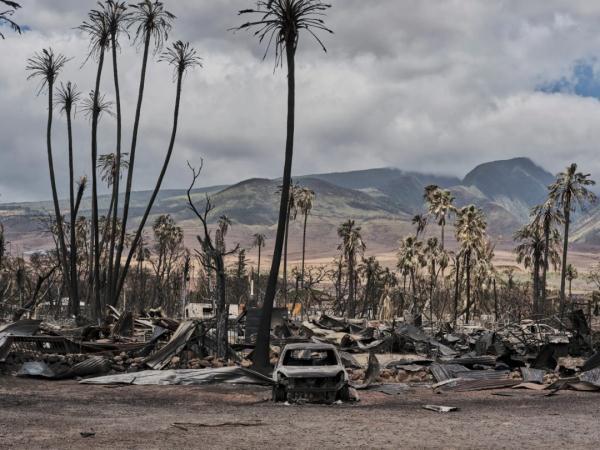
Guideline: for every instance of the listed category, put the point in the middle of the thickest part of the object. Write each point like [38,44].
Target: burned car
[310,372]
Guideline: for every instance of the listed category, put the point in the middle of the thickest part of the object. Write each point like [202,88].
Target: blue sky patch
[583,81]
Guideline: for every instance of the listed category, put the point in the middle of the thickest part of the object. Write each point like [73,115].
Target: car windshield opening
[306,357]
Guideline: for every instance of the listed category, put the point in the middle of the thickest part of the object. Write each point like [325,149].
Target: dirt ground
[42,414]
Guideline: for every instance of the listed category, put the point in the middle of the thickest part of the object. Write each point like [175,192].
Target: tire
[279,394]
[344,394]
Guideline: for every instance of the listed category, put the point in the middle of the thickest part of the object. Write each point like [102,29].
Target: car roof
[309,346]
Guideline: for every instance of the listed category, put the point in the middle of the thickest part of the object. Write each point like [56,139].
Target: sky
[436,86]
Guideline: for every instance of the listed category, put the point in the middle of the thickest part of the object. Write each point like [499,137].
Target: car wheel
[279,394]
[344,394]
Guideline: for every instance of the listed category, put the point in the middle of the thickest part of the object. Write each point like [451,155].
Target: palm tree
[420,220]
[530,253]
[292,212]
[304,202]
[109,172]
[569,191]
[97,28]
[5,16]
[183,58]
[470,233]
[259,241]
[67,98]
[440,206]
[117,18]
[152,23]
[434,258]
[279,23]
[373,272]
[572,274]
[547,216]
[351,247]
[46,66]
[410,259]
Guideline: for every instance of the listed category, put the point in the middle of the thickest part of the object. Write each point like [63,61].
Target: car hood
[312,372]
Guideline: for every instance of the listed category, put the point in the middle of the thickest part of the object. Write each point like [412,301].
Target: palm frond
[100,106]
[46,66]
[150,20]
[278,23]
[67,97]
[182,57]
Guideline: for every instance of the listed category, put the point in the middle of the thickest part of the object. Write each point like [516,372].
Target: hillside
[381,200]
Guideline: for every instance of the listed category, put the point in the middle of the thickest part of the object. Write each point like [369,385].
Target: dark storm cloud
[437,85]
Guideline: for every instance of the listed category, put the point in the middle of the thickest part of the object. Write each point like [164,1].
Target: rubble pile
[122,344]
[385,356]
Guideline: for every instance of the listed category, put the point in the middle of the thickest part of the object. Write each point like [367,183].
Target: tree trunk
[351,285]
[536,282]
[545,266]
[563,270]
[468,269]
[62,254]
[222,312]
[128,186]
[74,297]
[116,179]
[163,170]
[285,257]
[95,225]
[261,352]
[303,248]
[257,299]
[495,301]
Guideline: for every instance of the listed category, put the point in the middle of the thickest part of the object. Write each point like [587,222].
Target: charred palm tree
[118,18]
[440,206]
[292,213]
[46,66]
[259,242]
[67,98]
[470,234]
[5,16]
[279,23]
[569,191]
[98,30]
[572,274]
[420,221]
[547,217]
[183,58]
[304,201]
[151,23]
[351,247]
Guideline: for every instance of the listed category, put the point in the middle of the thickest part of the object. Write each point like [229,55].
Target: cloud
[437,86]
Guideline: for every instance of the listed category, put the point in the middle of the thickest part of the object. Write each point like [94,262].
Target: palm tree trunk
[163,171]
[95,225]
[285,256]
[128,186]
[351,285]
[221,310]
[257,301]
[261,352]
[74,303]
[495,301]
[545,266]
[303,248]
[536,282]
[563,270]
[62,253]
[468,269]
[116,177]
